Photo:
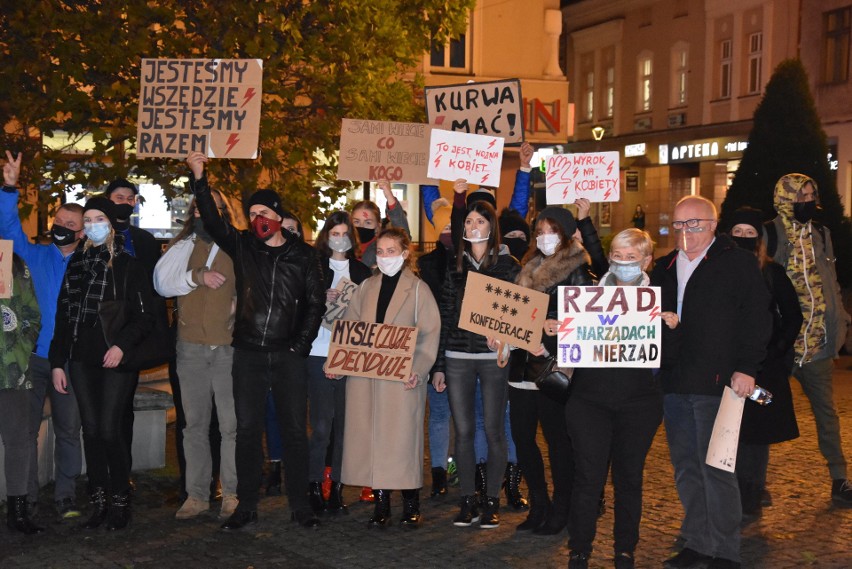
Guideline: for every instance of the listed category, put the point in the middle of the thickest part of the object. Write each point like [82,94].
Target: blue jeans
[480,442]
[439,427]
[710,496]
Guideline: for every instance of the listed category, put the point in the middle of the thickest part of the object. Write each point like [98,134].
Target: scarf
[85,285]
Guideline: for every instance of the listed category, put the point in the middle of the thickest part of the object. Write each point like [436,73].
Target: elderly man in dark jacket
[280,301]
[716,294]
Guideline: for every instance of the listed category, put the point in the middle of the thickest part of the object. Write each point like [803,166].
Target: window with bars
[836,45]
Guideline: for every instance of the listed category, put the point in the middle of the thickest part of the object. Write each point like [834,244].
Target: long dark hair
[189,222]
[332,221]
[565,241]
[493,245]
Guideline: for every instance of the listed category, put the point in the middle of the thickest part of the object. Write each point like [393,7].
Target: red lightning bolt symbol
[576,171]
[492,143]
[485,177]
[233,139]
[438,160]
[564,329]
[564,193]
[250,92]
[609,169]
[606,195]
[655,312]
[533,314]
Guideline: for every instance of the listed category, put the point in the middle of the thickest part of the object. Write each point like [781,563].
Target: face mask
[390,265]
[517,246]
[547,243]
[62,235]
[804,211]
[122,212]
[446,240]
[97,232]
[365,235]
[264,228]
[476,237]
[747,243]
[340,244]
[625,271]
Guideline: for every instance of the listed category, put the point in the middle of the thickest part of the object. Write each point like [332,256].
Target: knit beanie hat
[101,203]
[561,216]
[269,198]
[482,194]
[748,216]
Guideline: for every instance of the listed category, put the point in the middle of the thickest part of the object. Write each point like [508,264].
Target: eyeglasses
[688,223]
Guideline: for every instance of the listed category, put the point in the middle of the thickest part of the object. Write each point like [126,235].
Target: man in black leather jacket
[280,300]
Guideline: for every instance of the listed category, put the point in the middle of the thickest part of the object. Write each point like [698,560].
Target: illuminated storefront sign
[632,150]
[699,150]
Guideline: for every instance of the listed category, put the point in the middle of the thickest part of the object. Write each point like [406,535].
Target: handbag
[547,376]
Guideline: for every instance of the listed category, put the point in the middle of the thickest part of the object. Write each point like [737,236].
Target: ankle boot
[99,508]
[273,479]
[481,482]
[381,511]
[119,512]
[335,500]
[410,509]
[490,517]
[17,517]
[512,485]
[555,522]
[439,482]
[468,512]
[315,498]
[539,505]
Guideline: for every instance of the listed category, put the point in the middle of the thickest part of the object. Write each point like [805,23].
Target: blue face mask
[98,232]
[625,271]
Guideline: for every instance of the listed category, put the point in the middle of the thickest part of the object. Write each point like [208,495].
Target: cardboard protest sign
[492,108]
[204,105]
[593,175]
[477,159]
[371,349]
[609,326]
[6,275]
[725,439]
[382,150]
[336,309]
[498,309]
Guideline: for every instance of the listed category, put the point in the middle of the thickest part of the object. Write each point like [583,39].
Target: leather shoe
[240,519]
[305,518]
[685,559]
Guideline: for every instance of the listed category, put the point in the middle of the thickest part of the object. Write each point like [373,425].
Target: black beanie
[269,198]
[511,220]
[481,195]
[120,183]
[748,216]
[561,216]
[102,204]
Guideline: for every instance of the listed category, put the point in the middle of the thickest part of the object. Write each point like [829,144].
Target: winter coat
[21,324]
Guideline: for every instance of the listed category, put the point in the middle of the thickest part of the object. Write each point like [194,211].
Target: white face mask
[476,237]
[339,244]
[547,243]
[98,232]
[390,265]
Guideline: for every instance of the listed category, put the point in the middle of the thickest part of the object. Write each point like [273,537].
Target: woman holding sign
[612,413]
[342,271]
[383,437]
[463,355]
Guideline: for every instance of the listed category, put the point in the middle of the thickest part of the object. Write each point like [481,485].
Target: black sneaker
[469,513]
[624,560]
[841,492]
[67,509]
[490,517]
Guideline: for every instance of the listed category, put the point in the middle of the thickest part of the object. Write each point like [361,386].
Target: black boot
[17,517]
[512,485]
[481,482]
[439,482]
[410,509]
[490,513]
[537,514]
[315,498]
[273,479]
[119,512]
[381,511]
[557,519]
[335,500]
[469,512]
[99,509]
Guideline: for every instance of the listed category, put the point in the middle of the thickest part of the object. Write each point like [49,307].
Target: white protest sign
[473,157]
[609,326]
[594,176]
[722,450]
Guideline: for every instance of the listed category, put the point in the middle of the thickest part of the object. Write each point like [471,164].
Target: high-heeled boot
[99,508]
[512,486]
[335,499]
[119,512]
[410,509]
[315,498]
[439,482]
[17,516]
[381,511]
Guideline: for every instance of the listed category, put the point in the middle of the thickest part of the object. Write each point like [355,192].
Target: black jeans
[527,408]
[285,373]
[104,397]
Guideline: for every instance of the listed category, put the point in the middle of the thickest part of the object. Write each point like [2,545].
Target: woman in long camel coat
[383,434]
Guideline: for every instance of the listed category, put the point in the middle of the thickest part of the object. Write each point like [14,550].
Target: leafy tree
[787,137]
[73,66]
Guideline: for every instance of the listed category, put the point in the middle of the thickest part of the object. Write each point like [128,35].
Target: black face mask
[804,211]
[517,246]
[122,212]
[747,243]
[62,236]
[365,235]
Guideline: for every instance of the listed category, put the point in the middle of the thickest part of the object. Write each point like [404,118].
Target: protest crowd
[343,354]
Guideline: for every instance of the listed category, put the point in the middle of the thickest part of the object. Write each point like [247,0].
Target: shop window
[644,73]
[680,73]
[725,66]
[836,24]
[755,62]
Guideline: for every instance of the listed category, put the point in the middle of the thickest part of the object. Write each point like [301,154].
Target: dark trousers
[328,413]
[104,397]
[285,373]
[527,408]
[624,431]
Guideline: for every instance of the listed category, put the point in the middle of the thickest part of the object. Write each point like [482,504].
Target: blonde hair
[633,237]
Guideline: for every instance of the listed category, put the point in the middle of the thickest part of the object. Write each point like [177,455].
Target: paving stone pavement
[800,529]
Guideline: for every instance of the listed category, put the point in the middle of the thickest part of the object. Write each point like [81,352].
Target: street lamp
[598,132]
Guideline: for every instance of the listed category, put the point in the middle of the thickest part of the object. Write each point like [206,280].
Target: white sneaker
[229,505]
[192,507]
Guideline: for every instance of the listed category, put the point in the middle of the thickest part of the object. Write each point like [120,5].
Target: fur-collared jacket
[566,267]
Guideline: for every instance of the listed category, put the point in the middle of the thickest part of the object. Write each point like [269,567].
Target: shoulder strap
[416,300]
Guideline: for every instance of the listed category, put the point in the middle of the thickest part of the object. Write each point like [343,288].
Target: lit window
[610,91]
[680,71]
[755,62]
[589,98]
[836,46]
[725,70]
[644,73]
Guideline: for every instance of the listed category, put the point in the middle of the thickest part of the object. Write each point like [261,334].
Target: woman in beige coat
[383,433]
